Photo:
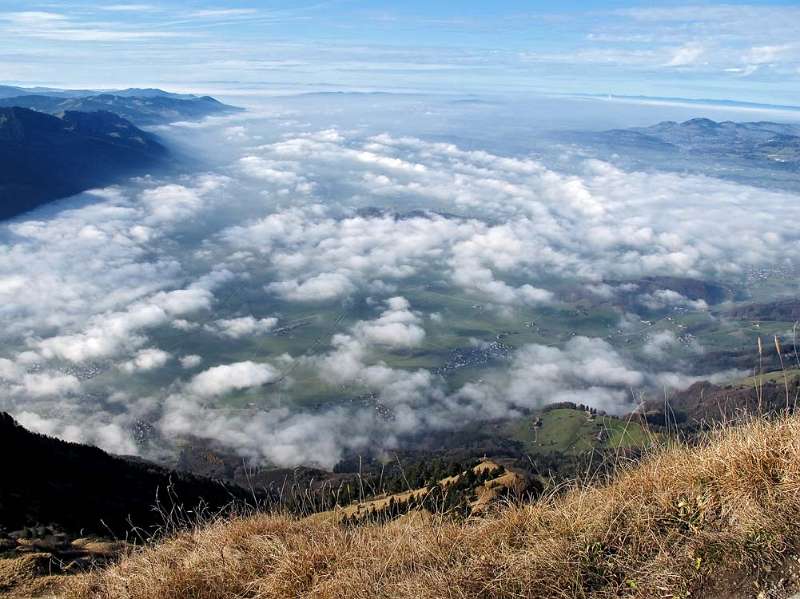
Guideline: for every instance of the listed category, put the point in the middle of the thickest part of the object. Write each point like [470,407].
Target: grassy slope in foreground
[700,522]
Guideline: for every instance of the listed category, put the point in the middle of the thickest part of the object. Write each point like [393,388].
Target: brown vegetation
[702,521]
[29,575]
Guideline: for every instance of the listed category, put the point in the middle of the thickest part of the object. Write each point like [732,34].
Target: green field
[574,432]
[778,376]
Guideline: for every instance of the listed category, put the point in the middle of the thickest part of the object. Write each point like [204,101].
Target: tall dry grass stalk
[686,521]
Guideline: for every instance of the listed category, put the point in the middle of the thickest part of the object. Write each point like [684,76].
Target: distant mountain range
[44,157]
[10,91]
[756,153]
[144,107]
[762,141]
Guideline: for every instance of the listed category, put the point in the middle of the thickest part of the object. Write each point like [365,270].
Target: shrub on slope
[688,521]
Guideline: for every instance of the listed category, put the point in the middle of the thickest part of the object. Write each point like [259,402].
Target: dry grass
[28,576]
[685,522]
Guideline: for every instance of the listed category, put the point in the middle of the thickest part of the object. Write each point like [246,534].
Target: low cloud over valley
[305,295]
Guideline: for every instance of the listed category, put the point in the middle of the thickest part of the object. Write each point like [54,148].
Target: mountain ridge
[142,107]
[43,157]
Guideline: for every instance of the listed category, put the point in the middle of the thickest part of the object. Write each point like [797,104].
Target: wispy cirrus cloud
[130,8]
[222,12]
[769,53]
[558,47]
[60,27]
[687,55]
[746,36]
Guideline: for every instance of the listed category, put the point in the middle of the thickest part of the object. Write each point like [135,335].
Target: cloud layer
[222,305]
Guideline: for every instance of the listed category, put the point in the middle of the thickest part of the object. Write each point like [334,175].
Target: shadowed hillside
[43,158]
[46,481]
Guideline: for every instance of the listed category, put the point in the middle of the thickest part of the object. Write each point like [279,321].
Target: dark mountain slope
[43,157]
[46,481]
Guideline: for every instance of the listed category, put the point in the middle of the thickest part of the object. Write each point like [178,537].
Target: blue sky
[740,51]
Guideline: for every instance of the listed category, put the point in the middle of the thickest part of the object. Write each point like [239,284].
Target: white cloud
[659,344]
[106,337]
[191,361]
[59,27]
[245,326]
[231,377]
[129,7]
[223,12]
[322,287]
[48,384]
[396,327]
[33,18]
[587,371]
[350,361]
[171,202]
[667,298]
[766,54]
[145,360]
[109,435]
[9,370]
[269,170]
[687,55]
